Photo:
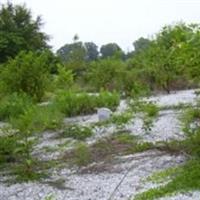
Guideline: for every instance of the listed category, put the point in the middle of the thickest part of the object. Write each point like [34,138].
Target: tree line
[169,60]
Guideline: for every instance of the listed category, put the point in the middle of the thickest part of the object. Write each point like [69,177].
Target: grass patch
[77,132]
[105,149]
[185,178]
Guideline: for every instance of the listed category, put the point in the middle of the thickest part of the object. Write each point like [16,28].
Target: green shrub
[8,146]
[106,73]
[148,108]
[15,153]
[78,132]
[122,118]
[64,79]
[28,73]
[108,99]
[40,118]
[14,105]
[190,120]
[71,103]
[151,109]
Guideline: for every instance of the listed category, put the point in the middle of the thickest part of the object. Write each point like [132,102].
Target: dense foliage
[19,31]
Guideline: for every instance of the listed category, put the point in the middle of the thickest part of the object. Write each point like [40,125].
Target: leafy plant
[28,73]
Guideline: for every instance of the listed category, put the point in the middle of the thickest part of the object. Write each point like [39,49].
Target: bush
[40,118]
[106,73]
[72,104]
[15,148]
[108,99]
[28,73]
[8,146]
[64,79]
[13,105]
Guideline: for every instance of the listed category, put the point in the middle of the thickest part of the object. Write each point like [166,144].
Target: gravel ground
[99,185]
[93,186]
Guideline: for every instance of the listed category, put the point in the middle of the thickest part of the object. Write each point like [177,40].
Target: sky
[105,21]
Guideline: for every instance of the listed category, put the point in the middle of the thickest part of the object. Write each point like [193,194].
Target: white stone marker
[104,113]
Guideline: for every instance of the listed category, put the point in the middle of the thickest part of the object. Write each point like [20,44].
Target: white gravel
[175,98]
[166,126]
[193,195]
[99,185]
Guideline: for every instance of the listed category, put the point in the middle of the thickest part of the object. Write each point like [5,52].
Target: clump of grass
[77,132]
[149,108]
[82,155]
[118,119]
[121,119]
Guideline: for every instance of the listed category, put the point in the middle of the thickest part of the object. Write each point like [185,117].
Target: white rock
[104,114]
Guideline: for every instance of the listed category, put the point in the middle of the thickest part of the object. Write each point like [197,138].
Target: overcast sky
[103,21]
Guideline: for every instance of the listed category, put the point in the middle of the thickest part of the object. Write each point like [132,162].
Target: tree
[107,74]
[91,51]
[19,31]
[73,56]
[27,73]
[110,50]
[141,44]
[165,61]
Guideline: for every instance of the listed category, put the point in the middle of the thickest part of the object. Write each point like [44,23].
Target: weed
[77,132]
